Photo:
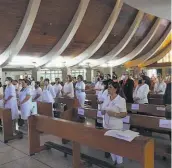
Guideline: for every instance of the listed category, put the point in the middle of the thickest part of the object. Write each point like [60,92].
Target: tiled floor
[15,155]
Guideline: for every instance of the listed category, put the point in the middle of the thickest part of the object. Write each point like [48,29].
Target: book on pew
[126,135]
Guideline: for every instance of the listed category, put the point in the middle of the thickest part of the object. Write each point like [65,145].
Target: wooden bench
[93,99]
[143,146]
[45,109]
[7,126]
[147,109]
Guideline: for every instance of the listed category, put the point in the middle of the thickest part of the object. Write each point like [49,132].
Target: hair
[81,77]
[109,75]
[37,83]
[47,80]
[105,83]
[26,81]
[74,77]
[9,79]
[116,86]
[70,78]
[57,79]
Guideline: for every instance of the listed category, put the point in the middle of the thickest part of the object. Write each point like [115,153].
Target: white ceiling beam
[67,36]
[124,42]
[153,51]
[140,47]
[158,57]
[101,37]
[22,34]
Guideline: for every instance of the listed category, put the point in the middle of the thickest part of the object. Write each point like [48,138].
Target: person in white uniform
[114,109]
[37,93]
[103,94]
[25,101]
[80,90]
[140,94]
[68,89]
[98,86]
[48,94]
[10,101]
[160,86]
[58,88]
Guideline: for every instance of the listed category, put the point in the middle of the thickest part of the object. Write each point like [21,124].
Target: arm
[12,94]
[26,99]
[51,89]
[71,89]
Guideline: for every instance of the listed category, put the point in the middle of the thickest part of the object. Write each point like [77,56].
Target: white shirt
[142,93]
[50,88]
[68,88]
[80,86]
[102,96]
[160,87]
[116,105]
[98,85]
[57,89]
[36,92]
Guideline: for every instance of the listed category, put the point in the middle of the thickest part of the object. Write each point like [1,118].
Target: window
[77,72]
[51,74]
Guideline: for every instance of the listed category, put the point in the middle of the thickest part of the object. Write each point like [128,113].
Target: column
[35,74]
[89,74]
[65,71]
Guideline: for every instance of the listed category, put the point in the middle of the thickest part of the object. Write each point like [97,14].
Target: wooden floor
[15,155]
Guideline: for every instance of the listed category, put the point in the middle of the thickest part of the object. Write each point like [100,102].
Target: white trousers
[117,158]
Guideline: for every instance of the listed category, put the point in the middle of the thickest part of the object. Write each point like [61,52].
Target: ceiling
[57,33]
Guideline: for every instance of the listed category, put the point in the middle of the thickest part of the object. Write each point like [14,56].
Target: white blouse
[57,89]
[116,105]
[141,92]
[98,85]
[36,92]
[80,86]
[68,88]
[160,87]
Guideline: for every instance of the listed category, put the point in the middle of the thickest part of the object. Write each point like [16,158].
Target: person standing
[10,101]
[80,90]
[48,94]
[160,86]
[68,89]
[140,94]
[42,82]
[25,101]
[58,87]
[114,109]
[127,85]
[37,93]
[98,86]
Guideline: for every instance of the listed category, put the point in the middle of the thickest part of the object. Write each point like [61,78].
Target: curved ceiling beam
[152,52]
[22,34]
[67,36]
[140,47]
[124,42]
[101,37]
[158,57]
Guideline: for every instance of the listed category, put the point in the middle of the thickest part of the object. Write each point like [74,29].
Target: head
[25,83]
[126,75]
[160,79]
[108,76]
[46,82]
[8,80]
[20,81]
[113,88]
[32,78]
[57,80]
[98,73]
[115,78]
[69,78]
[41,78]
[100,78]
[105,84]
[142,80]
[37,84]
[74,79]
[14,82]
[80,78]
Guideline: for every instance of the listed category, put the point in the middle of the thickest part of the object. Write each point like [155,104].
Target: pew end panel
[45,109]
[78,133]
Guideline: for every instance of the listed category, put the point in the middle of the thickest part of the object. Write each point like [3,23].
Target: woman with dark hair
[80,90]
[103,94]
[140,94]
[10,100]
[114,109]
[48,93]
[25,100]
[37,93]
[68,89]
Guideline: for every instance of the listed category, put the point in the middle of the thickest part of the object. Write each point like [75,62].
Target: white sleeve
[51,89]
[144,93]
[71,89]
[60,87]
[122,105]
[39,91]
[105,104]
[83,86]
[12,91]
[28,92]
[164,87]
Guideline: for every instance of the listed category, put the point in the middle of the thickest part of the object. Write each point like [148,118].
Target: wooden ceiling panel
[93,22]
[161,30]
[52,20]
[124,21]
[11,16]
[144,28]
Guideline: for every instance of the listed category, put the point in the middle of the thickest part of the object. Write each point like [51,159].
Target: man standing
[128,87]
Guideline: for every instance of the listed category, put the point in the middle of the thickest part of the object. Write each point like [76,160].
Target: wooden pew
[7,126]
[155,99]
[93,99]
[45,109]
[143,146]
[147,109]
